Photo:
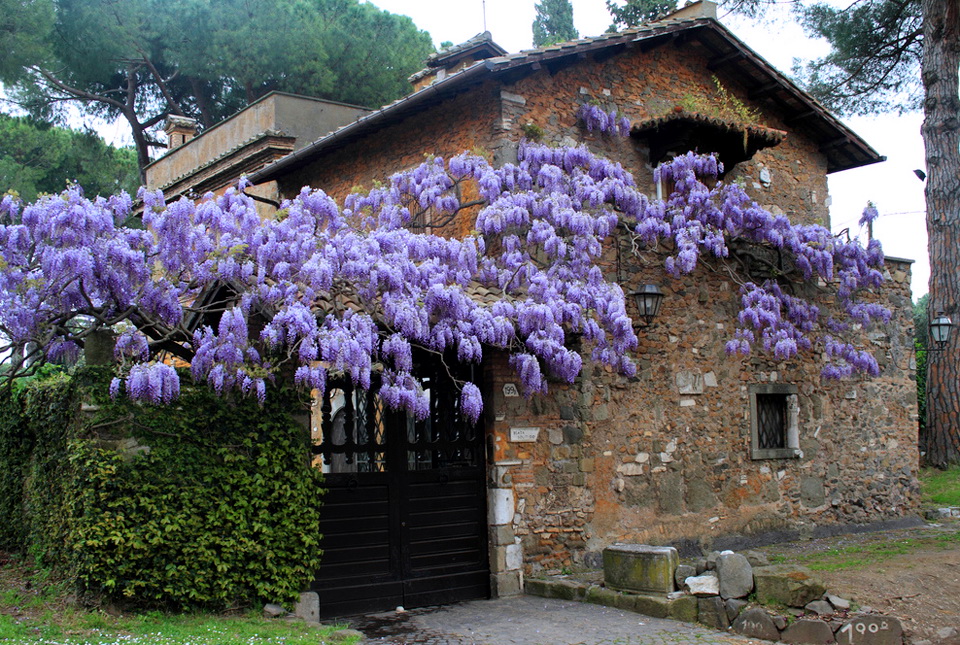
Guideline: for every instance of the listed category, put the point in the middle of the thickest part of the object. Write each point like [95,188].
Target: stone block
[756,623]
[537,587]
[786,584]
[501,506]
[505,584]
[503,535]
[684,608]
[598,595]
[640,567]
[812,493]
[705,585]
[807,630]
[871,630]
[514,559]
[308,607]
[650,605]
[736,576]
[712,613]
[683,572]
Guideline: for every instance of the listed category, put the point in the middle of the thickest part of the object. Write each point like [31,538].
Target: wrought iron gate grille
[404,518]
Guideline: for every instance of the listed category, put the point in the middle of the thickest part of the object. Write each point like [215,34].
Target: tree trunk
[941,139]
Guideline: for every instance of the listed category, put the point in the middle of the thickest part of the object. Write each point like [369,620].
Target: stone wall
[665,457]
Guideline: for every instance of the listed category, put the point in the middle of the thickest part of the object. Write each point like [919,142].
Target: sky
[891,185]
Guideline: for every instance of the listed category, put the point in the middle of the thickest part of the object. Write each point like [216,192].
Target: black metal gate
[404,516]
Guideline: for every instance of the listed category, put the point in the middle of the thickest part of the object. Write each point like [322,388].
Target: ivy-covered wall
[205,503]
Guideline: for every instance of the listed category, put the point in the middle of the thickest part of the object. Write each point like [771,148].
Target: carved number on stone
[862,629]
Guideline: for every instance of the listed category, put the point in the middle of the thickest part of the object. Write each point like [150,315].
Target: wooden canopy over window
[681,132]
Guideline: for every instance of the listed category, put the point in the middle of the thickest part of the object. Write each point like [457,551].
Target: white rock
[707,584]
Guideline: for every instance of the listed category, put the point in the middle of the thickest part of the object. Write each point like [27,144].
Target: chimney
[692,11]
[179,130]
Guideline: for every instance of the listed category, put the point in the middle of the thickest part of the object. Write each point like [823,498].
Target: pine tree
[554,23]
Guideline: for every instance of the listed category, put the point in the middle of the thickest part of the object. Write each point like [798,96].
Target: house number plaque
[524,435]
[510,390]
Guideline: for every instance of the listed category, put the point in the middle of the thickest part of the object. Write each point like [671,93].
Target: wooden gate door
[404,516]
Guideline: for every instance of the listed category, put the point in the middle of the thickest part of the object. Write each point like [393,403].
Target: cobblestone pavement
[528,620]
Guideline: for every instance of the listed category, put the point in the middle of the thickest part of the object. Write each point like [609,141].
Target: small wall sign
[510,390]
[524,435]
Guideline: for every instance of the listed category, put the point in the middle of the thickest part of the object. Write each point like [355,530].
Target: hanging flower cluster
[595,118]
[323,290]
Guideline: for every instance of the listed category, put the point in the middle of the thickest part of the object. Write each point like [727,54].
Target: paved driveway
[529,620]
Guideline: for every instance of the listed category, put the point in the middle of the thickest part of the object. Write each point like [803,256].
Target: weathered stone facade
[663,457]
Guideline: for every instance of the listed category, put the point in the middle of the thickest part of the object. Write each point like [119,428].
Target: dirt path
[912,574]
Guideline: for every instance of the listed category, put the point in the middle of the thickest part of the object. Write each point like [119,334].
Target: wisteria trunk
[940,441]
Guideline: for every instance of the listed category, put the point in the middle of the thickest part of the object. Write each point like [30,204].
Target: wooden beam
[764,90]
[801,116]
[724,60]
[836,143]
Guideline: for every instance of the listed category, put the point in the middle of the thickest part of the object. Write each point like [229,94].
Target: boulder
[819,607]
[273,611]
[837,601]
[756,559]
[786,584]
[706,585]
[756,623]
[736,576]
[807,630]
[734,607]
[712,613]
[711,562]
[871,630]
[683,572]
[640,567]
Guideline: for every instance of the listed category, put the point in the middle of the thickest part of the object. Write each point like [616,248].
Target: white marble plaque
[524,435]
[510,390]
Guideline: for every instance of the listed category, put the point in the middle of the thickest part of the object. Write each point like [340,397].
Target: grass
[96,628]
[33,611]
[941,487]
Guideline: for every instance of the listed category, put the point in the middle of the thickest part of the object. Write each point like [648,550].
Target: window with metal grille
[774,421]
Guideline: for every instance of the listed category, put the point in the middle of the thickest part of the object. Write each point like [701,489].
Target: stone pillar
[98,347]
[506,554]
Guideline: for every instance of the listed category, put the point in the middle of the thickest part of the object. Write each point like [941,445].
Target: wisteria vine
[326,291]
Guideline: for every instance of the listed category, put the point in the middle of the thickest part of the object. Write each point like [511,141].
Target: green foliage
[875,62]
[637,12]
[36,158]
[16,445]
[532,131]
[941,487]
[142,60]
[210,504]
[553,23]
[721,105]
[921,319]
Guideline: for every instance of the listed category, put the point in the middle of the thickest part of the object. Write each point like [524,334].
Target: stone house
[701,450]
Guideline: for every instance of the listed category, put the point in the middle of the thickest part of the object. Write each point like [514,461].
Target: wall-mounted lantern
[648,298]
[940,330]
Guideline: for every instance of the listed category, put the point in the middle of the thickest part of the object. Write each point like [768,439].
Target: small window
[774,422]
